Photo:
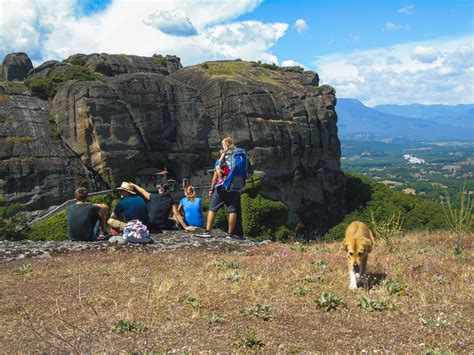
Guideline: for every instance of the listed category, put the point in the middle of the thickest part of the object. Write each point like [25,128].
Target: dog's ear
[368,248]
[344,246]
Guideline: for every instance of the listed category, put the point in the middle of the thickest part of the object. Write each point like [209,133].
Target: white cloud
[171,22]
[49,29]
[353,38]
[425,54]
[300,26]
[292,63]
[392,75]
[407,10]
[391,26]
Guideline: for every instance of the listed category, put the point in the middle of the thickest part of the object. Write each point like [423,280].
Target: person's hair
[81,194]
[191,193]
[228,143]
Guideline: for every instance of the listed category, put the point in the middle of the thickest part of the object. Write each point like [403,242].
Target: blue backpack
[237,162]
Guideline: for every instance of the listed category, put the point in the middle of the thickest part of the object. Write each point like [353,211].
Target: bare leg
[232,222]
[210,220]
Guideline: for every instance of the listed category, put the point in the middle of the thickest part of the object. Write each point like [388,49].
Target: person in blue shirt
[131,206]
[192,208]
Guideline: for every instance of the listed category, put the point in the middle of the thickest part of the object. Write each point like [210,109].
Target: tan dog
[358,242]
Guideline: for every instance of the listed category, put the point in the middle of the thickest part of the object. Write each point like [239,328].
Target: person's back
[133,207]
[192,211]
[84,219]
[161,205]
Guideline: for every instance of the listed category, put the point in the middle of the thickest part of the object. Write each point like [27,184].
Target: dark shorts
[221,197]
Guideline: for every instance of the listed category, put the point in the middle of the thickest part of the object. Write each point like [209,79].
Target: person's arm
[213,183]
[141,190]
[180,208]
[102,213]
[180,219]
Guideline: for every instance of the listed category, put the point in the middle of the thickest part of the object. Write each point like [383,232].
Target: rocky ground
[166,241]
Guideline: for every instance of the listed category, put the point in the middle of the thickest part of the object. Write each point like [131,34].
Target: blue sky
[376,51]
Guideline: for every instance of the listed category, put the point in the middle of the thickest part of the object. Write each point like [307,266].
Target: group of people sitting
[156,211]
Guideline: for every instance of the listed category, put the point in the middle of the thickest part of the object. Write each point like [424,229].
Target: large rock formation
[15,66]
[132,121]
[288,125]
[150,112]
[36,167]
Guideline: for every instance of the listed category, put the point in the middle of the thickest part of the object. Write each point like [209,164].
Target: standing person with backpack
[229,178]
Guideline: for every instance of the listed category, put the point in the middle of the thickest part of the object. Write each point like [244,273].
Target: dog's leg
[352,278]
[363,271]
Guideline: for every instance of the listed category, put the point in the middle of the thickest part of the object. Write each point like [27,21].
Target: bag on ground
[136,232]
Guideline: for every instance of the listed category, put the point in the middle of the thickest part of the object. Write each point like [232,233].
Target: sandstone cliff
[287,123]
[36,166]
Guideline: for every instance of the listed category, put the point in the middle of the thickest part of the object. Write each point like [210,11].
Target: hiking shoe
[233,236]
[103,236]
[204,234]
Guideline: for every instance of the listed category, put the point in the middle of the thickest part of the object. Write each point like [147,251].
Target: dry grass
[189,301]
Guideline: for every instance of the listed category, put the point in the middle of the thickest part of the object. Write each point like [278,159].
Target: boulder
[117,64]
[15,66]
[47,68]
[36,167]
[288,125]
[132,121]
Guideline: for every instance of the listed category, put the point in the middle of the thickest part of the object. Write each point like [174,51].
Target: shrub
[13,221]
[272,66]
[77,61]
[24,269]
[159,59]
[299,248]
[301,291]
[213,318]
[394,287]
[249,340]
[45,88]
[52,228]
[125,325]
[261,217]
[263,311]
[387,229]
[229,264]
[372,305]
[459,221]
[190,301]
[205,66]
[329,302]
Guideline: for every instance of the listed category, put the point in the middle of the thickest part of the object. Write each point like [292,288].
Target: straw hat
[127,188]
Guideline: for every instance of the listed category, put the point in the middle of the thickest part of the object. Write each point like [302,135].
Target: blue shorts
[221,197]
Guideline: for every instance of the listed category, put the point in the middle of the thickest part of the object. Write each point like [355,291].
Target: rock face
[116,64]
[288,125]
[36,167]
[133,121]
[15,66]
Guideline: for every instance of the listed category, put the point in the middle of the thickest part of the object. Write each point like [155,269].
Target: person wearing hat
[131,206]
[84,219]
[162,207]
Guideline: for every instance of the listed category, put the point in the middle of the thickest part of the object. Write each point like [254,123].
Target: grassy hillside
[267,299]
[365,197]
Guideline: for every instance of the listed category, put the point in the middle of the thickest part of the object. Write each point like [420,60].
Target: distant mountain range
[416,121]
